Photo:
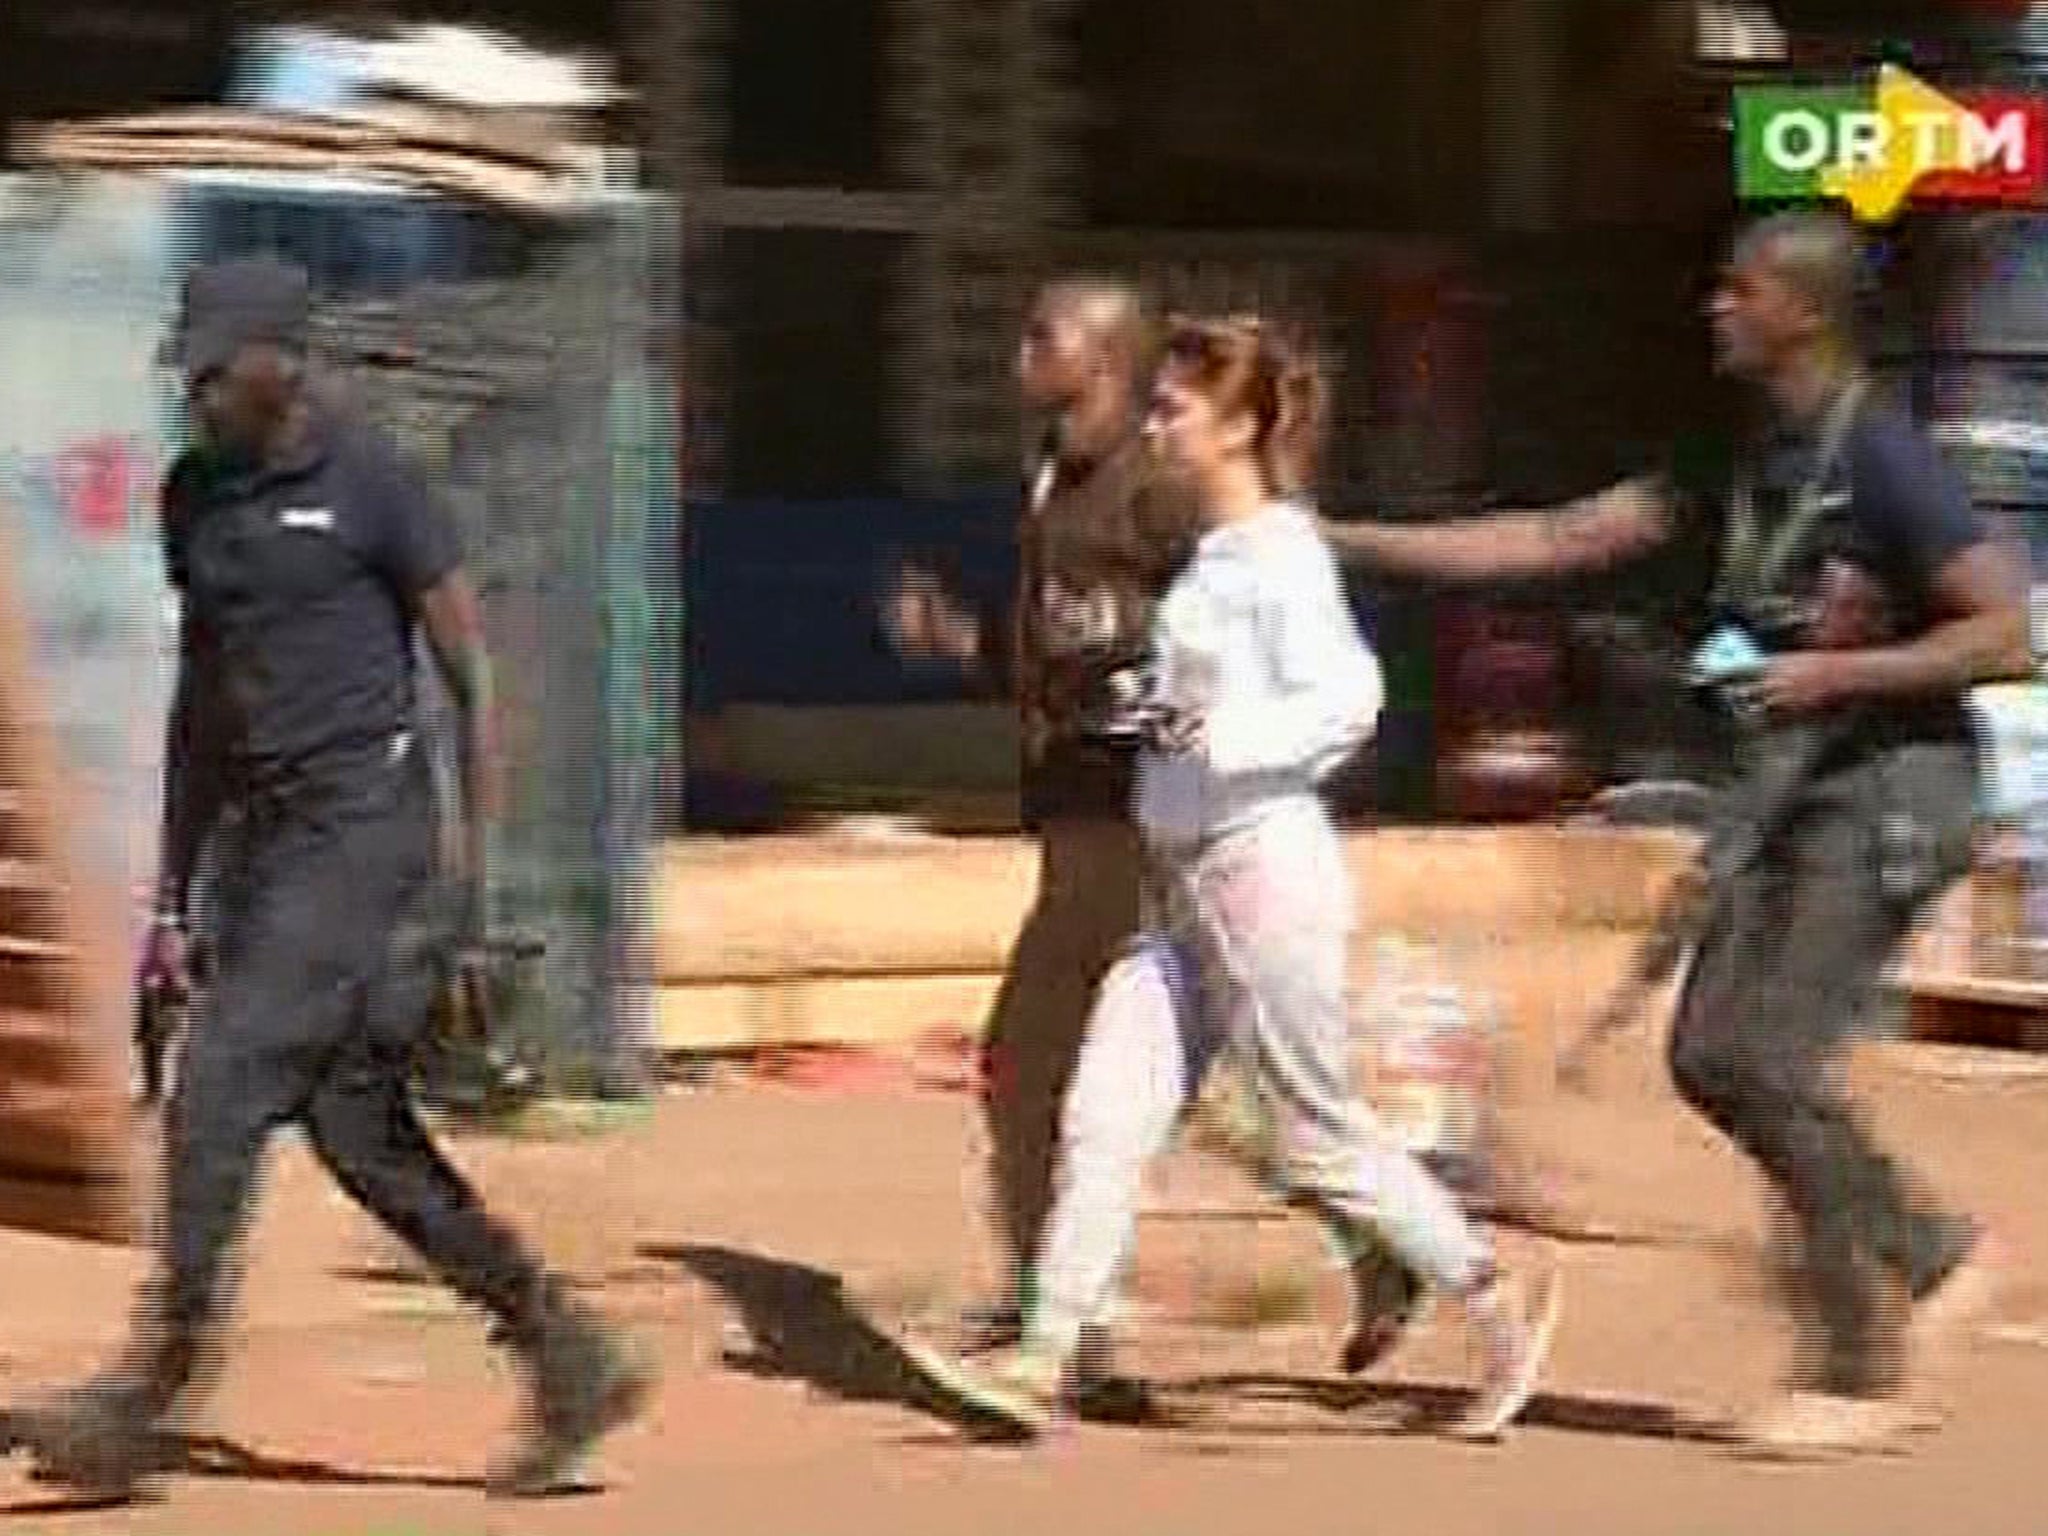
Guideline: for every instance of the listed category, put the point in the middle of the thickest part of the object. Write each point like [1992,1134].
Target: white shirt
[1255,638]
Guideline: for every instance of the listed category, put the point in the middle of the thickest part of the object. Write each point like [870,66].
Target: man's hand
[164,986]
[926,622]
[1172,732]
[166,965]
[1802,683]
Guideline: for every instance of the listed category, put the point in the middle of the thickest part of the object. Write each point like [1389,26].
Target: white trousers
[1242,961]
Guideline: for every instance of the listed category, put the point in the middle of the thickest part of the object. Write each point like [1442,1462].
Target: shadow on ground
[217,1457]
[1400,1407]
[802,1326]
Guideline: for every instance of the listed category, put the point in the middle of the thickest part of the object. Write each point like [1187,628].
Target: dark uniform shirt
[1093,562]
[298,581]
[1897,513]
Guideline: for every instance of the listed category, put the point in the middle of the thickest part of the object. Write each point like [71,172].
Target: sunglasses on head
[1214,342]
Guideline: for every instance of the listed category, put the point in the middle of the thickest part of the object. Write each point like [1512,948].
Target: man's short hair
[1112,310]
[1818,255]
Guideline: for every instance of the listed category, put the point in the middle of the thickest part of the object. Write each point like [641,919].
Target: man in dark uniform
[1852,809]
[1100,539]
[305,554]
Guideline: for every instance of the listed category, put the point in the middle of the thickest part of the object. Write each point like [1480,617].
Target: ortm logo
[1878,150]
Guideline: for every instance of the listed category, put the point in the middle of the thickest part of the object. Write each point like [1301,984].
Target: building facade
[1499,214]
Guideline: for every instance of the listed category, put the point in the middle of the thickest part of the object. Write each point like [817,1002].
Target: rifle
[467,1062]
[163,1012]
[1848,612]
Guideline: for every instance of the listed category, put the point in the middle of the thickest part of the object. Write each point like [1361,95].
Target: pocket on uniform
[1923,822]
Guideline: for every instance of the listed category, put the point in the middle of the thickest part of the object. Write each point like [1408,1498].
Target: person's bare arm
[1612,526]
[453,622]
[193,778]
[1981,636]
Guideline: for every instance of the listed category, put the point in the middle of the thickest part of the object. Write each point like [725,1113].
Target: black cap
[229,305]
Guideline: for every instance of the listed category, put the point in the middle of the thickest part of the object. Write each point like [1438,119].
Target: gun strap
[1753,565]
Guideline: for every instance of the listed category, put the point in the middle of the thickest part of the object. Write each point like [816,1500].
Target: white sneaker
[1018,1388]
[1516,1319]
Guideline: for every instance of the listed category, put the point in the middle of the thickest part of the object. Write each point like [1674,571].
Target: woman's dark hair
[1243,363]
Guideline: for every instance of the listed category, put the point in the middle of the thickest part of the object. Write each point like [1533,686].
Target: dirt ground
[752,1232]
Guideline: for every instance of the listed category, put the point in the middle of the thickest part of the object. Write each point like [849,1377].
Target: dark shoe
[105,1438]
[984,1330]
[584,1382]
[1098,1393]
[1386,1301]
[1125,1401]
[100,1440]
[1942,1323]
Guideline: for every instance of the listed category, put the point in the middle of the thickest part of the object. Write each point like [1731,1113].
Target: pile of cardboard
[456,111]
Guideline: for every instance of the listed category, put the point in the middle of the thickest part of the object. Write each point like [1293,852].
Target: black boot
[582,1383]
[104,1438]
[1386,1298]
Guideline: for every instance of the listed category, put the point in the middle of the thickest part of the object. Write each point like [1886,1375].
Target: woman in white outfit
[1262,688]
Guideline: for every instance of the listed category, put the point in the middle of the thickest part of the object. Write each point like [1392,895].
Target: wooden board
[1976,951]
[832,939]
[770,908]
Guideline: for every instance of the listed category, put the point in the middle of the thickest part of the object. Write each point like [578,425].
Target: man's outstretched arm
[1596,532]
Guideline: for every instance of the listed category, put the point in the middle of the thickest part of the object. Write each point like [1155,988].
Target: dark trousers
[1791,961]
[1085,914]
[312,1018]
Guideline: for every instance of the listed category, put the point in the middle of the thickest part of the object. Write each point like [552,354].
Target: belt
[271,789]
